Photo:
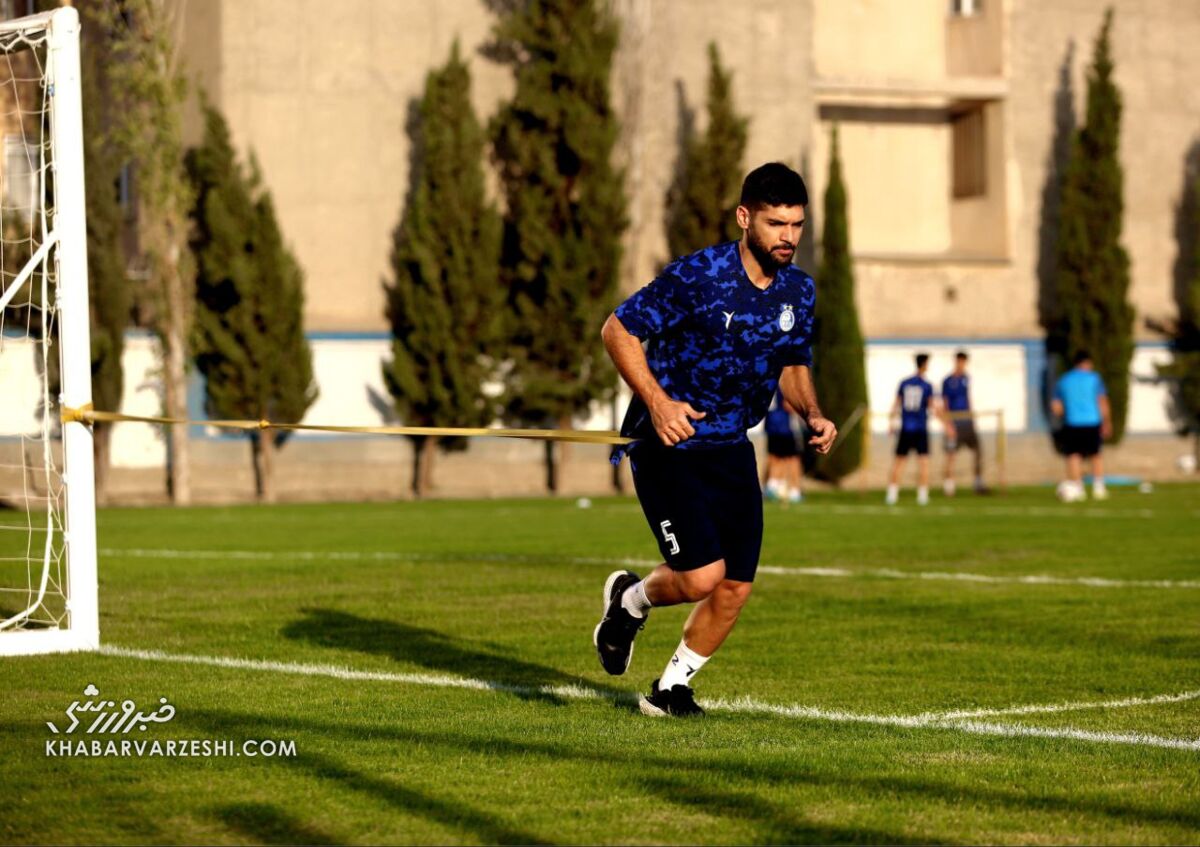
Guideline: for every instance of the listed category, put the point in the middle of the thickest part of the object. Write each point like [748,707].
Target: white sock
[775,486]
[893,494]
[682,667]
[795,495]
[923,495]
[635,601]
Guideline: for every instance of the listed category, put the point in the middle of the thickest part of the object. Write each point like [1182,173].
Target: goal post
[48,582]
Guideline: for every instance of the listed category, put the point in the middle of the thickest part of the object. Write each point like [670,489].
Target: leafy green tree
[444,301]
[702,198]
[250,342]
[1092,310]
[839,357]
[147,90]
[565,210]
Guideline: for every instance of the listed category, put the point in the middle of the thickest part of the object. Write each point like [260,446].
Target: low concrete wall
[381,469]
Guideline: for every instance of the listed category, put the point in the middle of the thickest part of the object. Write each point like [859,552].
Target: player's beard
[769,261]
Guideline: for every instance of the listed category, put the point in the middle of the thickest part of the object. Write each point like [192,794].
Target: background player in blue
[1081,400]
[956,396]
[914,400]
[723,328]
[784,470]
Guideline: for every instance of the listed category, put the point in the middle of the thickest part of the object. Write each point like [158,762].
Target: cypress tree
[1092,279]
[1184,368]
[110,299]
[444,301]
[250,296]
[839,369]
[553,144]
[701,201]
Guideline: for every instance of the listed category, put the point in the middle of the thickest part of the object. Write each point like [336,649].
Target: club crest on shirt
[787,318]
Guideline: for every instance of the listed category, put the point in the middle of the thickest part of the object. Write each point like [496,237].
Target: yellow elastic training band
[86,415]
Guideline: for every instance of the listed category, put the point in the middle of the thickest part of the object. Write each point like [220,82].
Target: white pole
[66,122]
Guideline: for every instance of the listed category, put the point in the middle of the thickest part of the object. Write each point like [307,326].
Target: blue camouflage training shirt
[718,342]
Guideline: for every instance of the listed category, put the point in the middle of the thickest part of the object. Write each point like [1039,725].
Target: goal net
[48,597]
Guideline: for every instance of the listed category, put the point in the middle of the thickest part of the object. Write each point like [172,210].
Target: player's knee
[698,584]
[732,593]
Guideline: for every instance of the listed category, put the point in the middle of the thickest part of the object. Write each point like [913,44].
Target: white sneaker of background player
[948,487]
[1070,491]
[922,496]
[795,496]
[893,495]
[1099,491]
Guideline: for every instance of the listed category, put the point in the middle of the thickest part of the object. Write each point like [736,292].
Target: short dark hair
[961,354]
[1081,357]
[922,360]
[773,184]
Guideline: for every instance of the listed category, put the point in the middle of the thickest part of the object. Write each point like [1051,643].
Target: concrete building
[952,117]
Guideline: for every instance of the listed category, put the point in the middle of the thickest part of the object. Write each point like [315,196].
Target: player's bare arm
[1105,417]
[672,419]
[798,390]
[942,410]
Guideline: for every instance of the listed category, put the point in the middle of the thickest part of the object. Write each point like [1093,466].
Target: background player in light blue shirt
[1081,401]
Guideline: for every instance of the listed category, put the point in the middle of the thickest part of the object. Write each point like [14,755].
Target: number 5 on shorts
[669,537]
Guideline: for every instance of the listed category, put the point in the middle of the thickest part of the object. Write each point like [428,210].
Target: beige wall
[880,40]
[320,92]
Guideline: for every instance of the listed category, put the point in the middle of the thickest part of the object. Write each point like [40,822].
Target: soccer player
[1081,401]
[956,395]
[723,327]
[914,400]
[783,454]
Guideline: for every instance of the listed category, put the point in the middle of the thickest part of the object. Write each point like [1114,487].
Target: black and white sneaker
[614,634]
[677,702]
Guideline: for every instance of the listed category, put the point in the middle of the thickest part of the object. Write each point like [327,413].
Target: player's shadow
[436,651]
[263,823]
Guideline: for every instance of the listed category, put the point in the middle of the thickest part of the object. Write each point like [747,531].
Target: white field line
[746,706]
[1033,579]
[844,573]
[1061,512]
[1052,708]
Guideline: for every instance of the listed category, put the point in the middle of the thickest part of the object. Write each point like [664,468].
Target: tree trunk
[102,458]
[551,468]
[179,468]
[262,445]
[422,478]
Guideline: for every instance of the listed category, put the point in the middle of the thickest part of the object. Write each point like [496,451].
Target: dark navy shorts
[702,505]
[913,439]
[1081,440]
[783,446]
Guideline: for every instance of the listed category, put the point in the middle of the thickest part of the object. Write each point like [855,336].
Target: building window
[970,153]
[20,175]
[965,8]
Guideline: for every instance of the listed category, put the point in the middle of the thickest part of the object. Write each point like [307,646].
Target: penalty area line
[953,721]
[842,573]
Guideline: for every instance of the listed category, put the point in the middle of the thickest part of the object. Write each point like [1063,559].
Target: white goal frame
[65,245]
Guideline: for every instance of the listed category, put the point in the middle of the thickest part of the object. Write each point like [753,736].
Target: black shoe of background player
[677,702]
[614,634]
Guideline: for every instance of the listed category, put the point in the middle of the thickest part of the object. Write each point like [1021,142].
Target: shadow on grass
[435,651]
[668,775]
[778,825]
[267,824]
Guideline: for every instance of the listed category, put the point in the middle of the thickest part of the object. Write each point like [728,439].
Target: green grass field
[837,705]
